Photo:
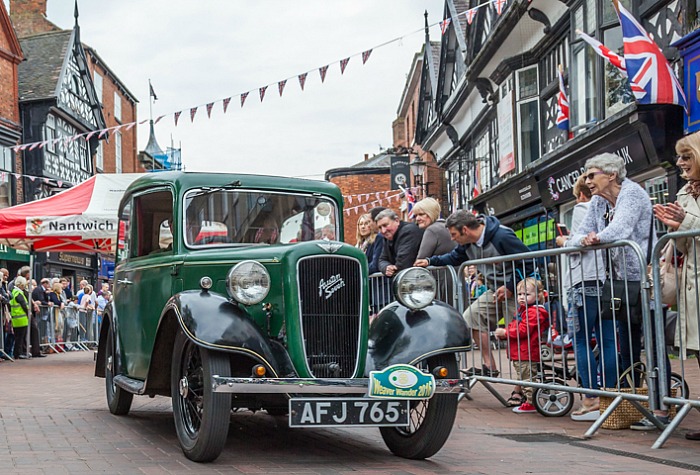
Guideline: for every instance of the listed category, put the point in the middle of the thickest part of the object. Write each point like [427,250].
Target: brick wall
[29,17]
[130,163]
[355,184]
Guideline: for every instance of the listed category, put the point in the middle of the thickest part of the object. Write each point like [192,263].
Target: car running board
[132,385]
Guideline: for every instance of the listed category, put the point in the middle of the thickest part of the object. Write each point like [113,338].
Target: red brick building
[364,185]
[10,128]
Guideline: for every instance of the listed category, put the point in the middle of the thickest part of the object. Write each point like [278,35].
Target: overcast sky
[196,52]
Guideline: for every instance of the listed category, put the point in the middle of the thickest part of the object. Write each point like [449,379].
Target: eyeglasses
[592,175]
[684,158]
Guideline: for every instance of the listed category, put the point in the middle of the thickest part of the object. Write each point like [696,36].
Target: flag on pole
[152,92]
[651,78]
[562,104]
[602,50]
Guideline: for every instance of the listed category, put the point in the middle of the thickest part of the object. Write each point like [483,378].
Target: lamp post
[417,170]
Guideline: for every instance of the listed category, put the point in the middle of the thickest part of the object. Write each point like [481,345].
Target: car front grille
[330,293]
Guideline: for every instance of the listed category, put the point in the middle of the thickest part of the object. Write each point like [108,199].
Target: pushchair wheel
[553,402]
[545,352]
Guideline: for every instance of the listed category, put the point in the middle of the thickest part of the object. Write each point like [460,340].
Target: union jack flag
[651,78]
[410,201]
[476,185]
[602,50]
[471,13]
[562,104]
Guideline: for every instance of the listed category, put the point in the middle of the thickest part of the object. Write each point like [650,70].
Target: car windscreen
[224,217]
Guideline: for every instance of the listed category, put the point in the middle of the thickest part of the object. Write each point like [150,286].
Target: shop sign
[508,199]
[557,188]
[506,155]
[689,48]
[399,172]
[71,259]
[10,254]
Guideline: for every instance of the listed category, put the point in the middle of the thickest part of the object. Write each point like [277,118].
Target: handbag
[622,298]
[670,274]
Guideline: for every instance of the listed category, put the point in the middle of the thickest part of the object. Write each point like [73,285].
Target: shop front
[12,259]
[74,266]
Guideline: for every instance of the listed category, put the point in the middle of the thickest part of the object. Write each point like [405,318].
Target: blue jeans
[586,365]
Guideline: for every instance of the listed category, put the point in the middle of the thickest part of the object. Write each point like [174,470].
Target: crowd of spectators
[38,318]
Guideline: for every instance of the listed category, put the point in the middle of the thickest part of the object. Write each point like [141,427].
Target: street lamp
[417,170]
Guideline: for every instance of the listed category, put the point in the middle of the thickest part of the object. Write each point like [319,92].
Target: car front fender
[402,335]
[212,321]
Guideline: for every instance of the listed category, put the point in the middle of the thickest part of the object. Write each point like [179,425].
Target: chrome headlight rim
[407,295]
[239,292]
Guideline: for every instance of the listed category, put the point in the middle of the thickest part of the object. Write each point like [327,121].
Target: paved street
[54,420]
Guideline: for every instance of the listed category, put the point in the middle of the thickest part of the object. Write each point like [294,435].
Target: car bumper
[316,386]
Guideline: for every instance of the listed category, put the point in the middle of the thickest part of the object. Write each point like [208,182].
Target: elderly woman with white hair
[619,209]
[436,237]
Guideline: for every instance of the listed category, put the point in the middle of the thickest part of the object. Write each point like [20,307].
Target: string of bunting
[43,179]
[379,201]
[262,90]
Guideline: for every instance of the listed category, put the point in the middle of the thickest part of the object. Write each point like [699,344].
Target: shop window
[100,157]
[528,119]
[83,154]
[6,195]
[583,87]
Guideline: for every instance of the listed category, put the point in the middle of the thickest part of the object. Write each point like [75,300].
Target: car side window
[153,215]
[124,236]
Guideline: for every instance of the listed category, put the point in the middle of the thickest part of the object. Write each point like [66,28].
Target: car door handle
[124,282]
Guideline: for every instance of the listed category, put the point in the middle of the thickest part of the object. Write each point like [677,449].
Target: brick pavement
[54,420]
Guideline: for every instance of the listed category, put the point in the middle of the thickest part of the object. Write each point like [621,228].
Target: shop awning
[82,218]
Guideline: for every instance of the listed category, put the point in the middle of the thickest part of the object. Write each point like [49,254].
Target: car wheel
[201,415]
[430,421]
[118,399]
[553,402]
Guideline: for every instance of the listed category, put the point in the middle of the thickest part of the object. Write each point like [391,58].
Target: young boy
[523,335]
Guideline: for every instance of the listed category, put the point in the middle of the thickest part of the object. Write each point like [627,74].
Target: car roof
[183,181]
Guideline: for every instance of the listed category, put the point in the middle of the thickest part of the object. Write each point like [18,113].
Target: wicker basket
[626,414]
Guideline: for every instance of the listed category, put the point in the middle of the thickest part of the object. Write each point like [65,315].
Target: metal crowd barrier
[4,354]
[682,320]
[67,329]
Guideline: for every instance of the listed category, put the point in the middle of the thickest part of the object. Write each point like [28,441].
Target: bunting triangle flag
[210,106]
[193,112]
[243,98]
[262,93]
[128,127]
[280,86]
[471,13]
[226,102]
[344,64]
[322,70]
[500,4]
[59,183]
[158,119]
[444,25]
[177,117]
[104,131]
[365,55]
[92,134]
[302,80]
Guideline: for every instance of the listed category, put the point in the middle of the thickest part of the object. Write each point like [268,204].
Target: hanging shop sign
[521,193]
[399,172]
[79,260]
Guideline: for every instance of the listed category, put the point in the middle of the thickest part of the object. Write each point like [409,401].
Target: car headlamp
[248,282]
[414,287]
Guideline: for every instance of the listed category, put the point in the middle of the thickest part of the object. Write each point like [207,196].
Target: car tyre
[431,420]
[201,415]
[118,399]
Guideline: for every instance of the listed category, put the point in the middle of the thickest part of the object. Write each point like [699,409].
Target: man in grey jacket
[477,238]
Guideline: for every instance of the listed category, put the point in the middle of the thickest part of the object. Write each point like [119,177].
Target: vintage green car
[231,292]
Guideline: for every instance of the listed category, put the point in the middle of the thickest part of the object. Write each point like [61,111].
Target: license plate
[331,412]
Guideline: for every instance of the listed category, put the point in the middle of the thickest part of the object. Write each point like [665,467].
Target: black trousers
[34,336]
[20,341]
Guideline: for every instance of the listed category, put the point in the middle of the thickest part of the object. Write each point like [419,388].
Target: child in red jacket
[523,334]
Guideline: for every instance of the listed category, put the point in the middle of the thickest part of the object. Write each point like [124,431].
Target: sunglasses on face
[590,176]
